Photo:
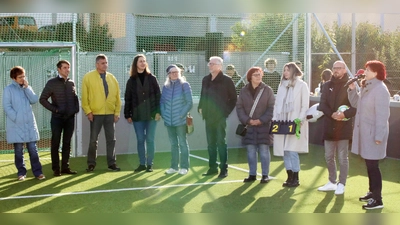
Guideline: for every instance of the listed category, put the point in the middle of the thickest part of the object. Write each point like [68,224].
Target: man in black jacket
[338,127]
[64,105]
[217,100]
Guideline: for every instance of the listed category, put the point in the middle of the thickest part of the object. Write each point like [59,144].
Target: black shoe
[223,173]
[264,179]
[366,197]
[56,173]
[211,172]
[140,168]
[251,178]
[69,171]
[149,169]
[373,204]
[90,168]
[114,167]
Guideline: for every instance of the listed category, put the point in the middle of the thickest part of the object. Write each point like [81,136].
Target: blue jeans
[177,137]
[145,131]
[291,161]
[215,132]
[33,157]
[263,152]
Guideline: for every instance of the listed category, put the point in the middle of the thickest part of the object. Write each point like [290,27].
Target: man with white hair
[217,100]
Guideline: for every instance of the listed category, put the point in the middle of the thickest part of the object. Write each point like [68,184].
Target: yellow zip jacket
[94,98]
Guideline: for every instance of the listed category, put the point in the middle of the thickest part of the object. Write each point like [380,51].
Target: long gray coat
[371,122]
[263,111]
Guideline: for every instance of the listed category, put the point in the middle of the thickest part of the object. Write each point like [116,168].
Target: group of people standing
[256,106]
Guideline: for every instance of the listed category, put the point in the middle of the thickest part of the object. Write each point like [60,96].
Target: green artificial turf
[126,191]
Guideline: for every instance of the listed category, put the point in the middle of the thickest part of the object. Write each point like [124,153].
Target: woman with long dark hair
[142,107]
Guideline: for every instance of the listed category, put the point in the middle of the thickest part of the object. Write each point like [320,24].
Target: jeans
[342,147]
[291,161]
[375,178]
[216,134]
[145,131]
[265,156]
[179,146]
[33,157]
[109,130]
[58,126]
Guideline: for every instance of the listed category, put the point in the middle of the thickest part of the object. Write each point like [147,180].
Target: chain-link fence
[243,40]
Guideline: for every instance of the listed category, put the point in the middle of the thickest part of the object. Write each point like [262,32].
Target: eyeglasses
[212,64]
[337,68]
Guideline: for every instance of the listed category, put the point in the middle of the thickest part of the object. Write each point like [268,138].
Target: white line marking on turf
[11,160]
[230,166]
[118,190]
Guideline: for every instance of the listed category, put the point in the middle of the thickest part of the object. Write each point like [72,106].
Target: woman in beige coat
[292,102]
[371,127]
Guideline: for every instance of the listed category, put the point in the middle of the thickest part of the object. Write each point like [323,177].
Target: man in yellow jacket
[101,103]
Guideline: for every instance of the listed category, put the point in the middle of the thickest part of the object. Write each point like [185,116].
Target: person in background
[232,73]
[257,138]
[217,100]
[325,77]
[271,77]
[291,103]
[64,105]
[20,123]
[142,108]
[300,65]
[371,127]
[338,130]
[176,101]
[182,68]
[101,103]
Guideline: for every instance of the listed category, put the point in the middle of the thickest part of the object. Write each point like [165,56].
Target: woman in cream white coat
[292,102]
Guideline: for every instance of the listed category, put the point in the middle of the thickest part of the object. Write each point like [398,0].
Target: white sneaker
[339,189]
[328,187]
[183,171]
[171,171]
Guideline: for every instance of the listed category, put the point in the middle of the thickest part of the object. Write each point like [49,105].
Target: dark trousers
[66,128]
[215,132]
[109,130]
[375,178]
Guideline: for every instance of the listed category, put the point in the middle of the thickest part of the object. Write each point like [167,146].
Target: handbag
[242,129]
[189,124]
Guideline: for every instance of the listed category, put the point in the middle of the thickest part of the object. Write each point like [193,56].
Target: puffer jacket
[64,101]
[264,111]
[20,124]
[176,101]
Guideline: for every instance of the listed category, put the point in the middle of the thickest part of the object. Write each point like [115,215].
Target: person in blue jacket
[21,124]
[176,101]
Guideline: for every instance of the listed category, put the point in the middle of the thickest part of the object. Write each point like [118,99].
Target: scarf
[284,100]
